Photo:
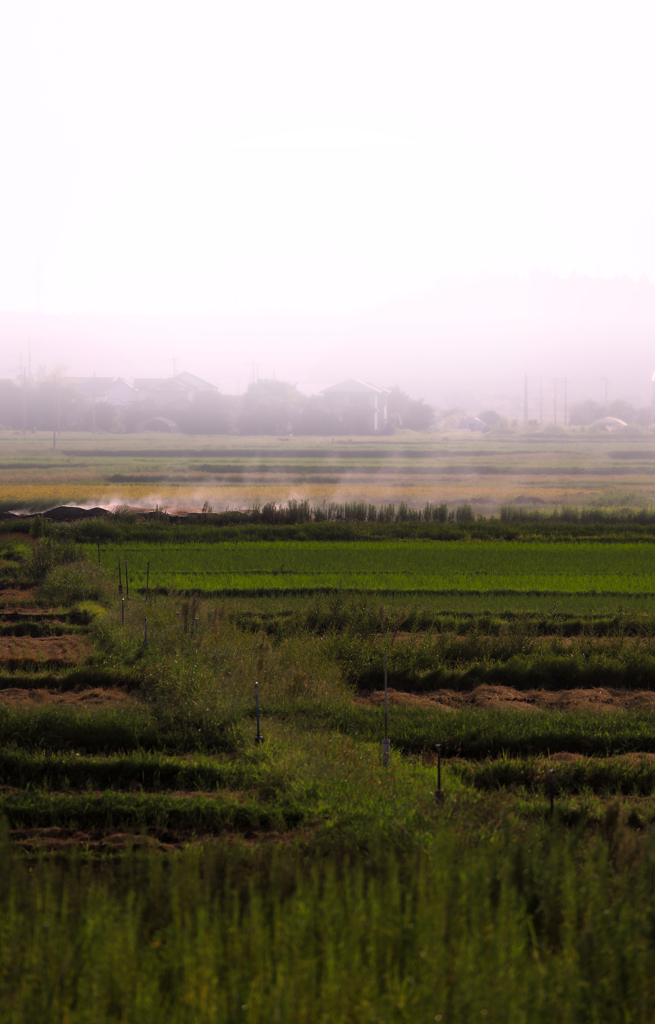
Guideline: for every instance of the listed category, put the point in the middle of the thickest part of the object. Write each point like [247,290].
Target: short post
[145,636]
[127,583]
[386,744]
[258,738]
[120,577]
[122,611]
[147,581]
[98,544]
[438,796]
[552,791]
[196,622]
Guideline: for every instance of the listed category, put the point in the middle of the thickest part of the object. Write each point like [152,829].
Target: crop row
[467,732]
[108,809]
[67,771]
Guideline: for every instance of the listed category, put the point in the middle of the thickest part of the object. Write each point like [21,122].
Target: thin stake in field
[120,577]
[386,745]
[438,796]
[196,622]
[551,774]
[258,738]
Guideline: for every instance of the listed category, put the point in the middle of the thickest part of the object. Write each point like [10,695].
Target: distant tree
[318,418]
[210,413]
[493,419]
[622,411]
[412,413]
[582,414]
[10,404]
[271,407]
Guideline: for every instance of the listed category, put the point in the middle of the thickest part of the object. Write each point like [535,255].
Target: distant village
[186,403]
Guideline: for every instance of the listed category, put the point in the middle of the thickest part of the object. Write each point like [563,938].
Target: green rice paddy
[418,566]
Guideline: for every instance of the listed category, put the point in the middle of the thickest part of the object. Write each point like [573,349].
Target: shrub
[73,581]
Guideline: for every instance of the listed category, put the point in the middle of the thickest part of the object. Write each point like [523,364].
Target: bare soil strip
[64,650]
[94,697]
[596,699]
[61,840]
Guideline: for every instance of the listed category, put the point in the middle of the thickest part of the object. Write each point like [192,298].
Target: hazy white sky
[306,159]
[298,155]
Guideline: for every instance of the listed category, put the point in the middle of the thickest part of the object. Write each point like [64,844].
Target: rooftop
[354,387]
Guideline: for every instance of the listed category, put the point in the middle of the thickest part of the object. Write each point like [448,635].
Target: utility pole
[525,401]
[556,381]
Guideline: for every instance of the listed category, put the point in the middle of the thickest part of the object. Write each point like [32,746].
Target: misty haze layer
[354,190]
[465,342]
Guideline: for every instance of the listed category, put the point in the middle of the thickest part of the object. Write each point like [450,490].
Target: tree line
[267,407]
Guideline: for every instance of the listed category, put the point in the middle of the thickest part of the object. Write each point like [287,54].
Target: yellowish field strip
[239,472]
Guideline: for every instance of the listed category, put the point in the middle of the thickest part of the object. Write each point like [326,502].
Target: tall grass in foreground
[515,930]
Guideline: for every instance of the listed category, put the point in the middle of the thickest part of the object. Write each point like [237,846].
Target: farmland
[569,467]
[299,878]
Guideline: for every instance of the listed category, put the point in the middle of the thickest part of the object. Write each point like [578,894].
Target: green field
[419,566]
[156,864]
